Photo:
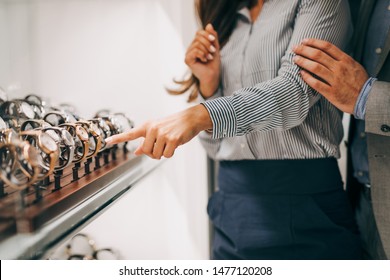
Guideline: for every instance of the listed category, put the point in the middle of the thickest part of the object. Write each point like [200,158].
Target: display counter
[103,191]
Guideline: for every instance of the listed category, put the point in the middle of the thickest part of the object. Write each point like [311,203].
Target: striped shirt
[263,109]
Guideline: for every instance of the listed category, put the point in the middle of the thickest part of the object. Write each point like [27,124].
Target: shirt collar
[245,13]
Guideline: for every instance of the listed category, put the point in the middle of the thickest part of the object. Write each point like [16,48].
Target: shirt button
[360,174]
[362,134]
[378,50]
[385,128]
[242,145]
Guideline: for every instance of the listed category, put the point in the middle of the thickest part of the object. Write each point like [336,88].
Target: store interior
[118,55]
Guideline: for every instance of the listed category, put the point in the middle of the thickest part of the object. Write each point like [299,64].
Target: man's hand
[341,77]
[162,137]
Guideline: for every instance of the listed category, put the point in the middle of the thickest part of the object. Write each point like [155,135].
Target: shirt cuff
[360,107]
[223,117]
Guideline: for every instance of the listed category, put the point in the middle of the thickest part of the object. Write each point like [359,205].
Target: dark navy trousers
[282,209]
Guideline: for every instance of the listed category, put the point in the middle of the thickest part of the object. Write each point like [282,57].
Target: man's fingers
[126,136]
[316,55]
[316,84]
[313,67]
[325,46]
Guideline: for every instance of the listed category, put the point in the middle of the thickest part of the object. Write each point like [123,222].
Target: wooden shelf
[28,232]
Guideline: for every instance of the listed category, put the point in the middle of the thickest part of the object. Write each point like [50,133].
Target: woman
[280,192]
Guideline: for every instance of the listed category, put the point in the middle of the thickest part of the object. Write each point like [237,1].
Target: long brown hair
[222,14]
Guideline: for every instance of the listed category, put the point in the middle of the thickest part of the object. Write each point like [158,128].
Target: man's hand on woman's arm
[337,76]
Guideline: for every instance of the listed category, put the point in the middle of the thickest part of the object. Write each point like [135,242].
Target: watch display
[49,150]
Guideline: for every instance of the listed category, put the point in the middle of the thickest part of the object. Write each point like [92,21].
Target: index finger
[127,136]
[325,46]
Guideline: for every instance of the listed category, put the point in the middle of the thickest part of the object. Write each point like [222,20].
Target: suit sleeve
[378,109]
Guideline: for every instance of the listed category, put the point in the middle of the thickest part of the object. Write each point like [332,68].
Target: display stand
[31,223]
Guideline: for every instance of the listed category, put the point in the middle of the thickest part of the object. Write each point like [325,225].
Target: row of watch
[37,139]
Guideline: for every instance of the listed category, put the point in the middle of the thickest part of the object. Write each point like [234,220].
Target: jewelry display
[42,150]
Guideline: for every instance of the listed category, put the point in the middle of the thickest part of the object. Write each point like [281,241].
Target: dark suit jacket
[377,128]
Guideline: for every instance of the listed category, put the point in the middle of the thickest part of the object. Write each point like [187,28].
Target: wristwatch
[13,123]
[104,128]
[48,149]
[70,109]
[32,124]
[95,137]
[14,112]
[102,113]
[81,139]
[19,109]
[37,104]
[8,135]
[19,164]
[56,118]
[122,121]
[65,143]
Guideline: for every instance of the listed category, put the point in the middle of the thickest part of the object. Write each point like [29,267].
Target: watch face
[92,144]
[48,142]
[104,127]
[123,122]
[70,117]
[34,99]
[82,133]
[27,110]
[53,134]
[54,118]
[67,138]
[95,129]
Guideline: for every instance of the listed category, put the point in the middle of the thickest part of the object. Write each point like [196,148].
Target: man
[364,91]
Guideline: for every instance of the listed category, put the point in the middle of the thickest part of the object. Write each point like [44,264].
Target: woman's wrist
[207,89]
